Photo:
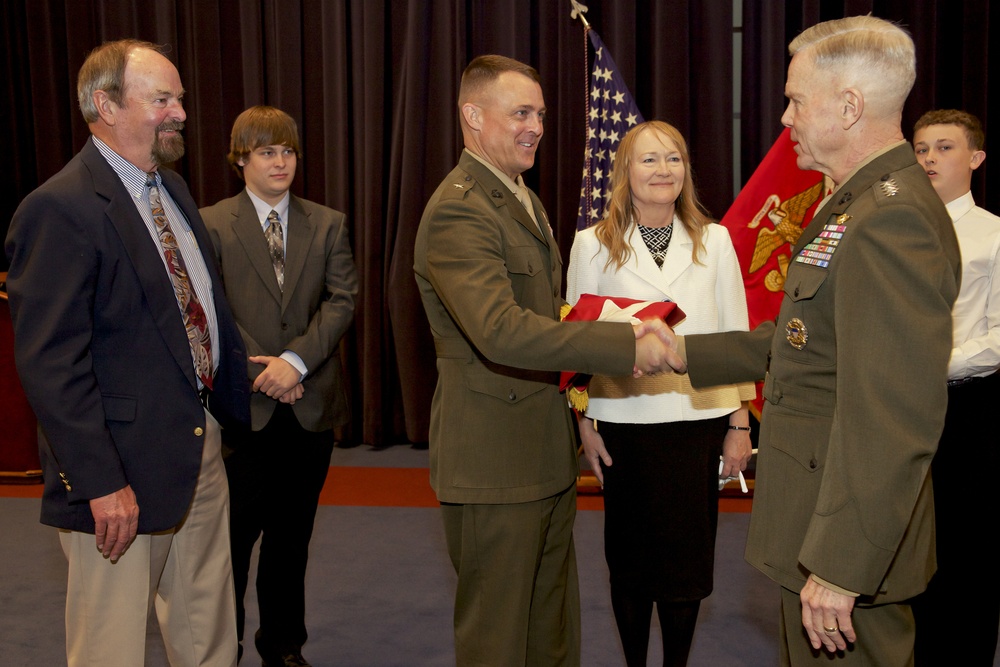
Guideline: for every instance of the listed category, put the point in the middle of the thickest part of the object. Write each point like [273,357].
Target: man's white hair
[875,55]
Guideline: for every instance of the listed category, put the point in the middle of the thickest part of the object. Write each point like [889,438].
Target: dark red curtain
[374,86]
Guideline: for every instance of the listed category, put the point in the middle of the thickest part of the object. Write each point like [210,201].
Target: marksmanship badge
[796,333]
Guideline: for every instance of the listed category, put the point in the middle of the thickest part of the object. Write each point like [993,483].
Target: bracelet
[739,428]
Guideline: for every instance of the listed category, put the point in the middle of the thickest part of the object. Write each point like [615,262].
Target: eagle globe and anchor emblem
[787,217]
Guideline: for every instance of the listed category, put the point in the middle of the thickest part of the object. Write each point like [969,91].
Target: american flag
[611,112]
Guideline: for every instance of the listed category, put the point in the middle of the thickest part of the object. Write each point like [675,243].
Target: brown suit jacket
[490,281]
[309,317]
[852,419]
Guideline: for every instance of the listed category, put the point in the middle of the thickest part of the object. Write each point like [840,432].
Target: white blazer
[710,294]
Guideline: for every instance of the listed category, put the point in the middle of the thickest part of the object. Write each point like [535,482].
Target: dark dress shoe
[289,660]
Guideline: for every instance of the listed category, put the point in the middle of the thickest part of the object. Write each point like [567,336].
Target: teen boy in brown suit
[289,275]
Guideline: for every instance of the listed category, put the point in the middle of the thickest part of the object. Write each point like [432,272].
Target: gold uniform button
[198,430]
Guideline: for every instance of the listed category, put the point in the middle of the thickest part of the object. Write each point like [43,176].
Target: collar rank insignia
[459,186]
[796,333]
[889,187]
[820,251]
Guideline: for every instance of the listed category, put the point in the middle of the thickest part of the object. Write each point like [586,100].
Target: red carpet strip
[356,486]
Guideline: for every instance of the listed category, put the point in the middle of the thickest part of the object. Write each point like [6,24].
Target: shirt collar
[959,207]
[264,209]
[513,186]
[858,167]
[133,178]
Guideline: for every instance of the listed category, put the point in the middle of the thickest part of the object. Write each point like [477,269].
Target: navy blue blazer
[101,349]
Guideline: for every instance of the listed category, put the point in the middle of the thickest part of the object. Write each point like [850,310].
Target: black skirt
[661,502]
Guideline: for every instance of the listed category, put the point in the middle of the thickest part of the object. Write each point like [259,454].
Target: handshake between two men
[656,349]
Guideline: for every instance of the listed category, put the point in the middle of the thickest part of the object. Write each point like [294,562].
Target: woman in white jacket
[654,442]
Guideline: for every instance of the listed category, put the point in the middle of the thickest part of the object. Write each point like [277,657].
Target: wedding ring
[830,631]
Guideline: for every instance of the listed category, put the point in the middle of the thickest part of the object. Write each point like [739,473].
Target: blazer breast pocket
[803,281]
[524,264]
[524,260]
[806,318]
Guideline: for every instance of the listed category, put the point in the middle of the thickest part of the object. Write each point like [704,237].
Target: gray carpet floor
[380,587]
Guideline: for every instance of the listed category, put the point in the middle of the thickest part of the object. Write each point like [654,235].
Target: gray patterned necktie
[276,247]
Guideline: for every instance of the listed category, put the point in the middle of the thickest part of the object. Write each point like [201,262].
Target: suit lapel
[300,235]
[182,198]
[517,210]
[678,257]
[817,224]
[893,160]
[677,261]
[555,259]
[144,255]
[501,195]
[249,231]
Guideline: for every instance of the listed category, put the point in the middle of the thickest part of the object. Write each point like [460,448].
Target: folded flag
[594,308]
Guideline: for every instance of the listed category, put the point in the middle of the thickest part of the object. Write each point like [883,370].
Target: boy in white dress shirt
[961,610]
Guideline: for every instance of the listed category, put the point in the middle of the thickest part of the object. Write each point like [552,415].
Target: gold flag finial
[577,12]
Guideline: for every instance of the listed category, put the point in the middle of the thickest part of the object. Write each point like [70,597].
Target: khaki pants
[185,574]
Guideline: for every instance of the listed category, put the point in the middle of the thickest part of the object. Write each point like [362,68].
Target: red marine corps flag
[766,219]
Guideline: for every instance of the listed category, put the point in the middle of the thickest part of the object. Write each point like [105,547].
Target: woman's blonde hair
[621,210]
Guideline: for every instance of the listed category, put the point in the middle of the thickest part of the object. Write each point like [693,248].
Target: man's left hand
[292,395]
[826,616]
[277,378]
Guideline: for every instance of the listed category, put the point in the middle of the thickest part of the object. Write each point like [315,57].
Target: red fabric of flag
[766,219]
[591,307]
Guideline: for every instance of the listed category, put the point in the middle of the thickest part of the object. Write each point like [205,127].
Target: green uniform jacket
[490,281]
[852,419]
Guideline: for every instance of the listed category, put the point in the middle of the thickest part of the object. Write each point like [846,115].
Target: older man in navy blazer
[131,359]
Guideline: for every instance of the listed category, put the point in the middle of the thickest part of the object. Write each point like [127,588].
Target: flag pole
[585,482]
[578,11]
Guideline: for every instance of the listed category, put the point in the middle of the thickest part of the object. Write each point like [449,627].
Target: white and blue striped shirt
[134,180]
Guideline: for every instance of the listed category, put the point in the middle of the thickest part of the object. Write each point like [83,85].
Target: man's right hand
[116,521]
[655,349]
[277,378]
